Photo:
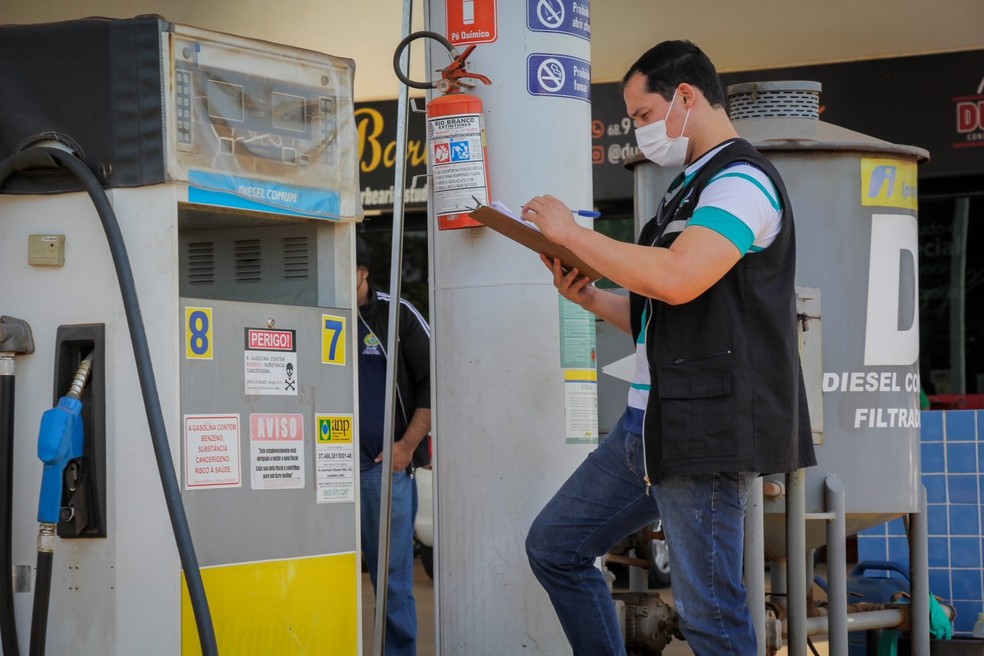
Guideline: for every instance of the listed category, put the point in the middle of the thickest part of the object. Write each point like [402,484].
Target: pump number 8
[198,333]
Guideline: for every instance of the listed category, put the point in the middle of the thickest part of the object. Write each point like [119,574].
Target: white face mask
[659,148]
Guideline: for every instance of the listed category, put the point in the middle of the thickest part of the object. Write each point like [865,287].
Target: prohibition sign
[551,75]
[550,13]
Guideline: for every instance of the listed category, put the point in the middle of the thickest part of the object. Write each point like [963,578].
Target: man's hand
[552,217]
[571,285]
[402,453]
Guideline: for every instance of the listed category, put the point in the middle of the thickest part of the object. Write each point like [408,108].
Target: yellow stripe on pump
[280,608]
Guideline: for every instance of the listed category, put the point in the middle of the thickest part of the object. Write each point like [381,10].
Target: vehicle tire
[657,554]
[427,560]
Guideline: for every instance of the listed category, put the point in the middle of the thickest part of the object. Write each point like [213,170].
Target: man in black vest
[718,396]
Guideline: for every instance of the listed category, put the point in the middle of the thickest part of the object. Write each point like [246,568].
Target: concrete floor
[424,593]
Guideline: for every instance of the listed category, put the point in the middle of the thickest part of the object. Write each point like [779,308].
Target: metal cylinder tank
[855,204]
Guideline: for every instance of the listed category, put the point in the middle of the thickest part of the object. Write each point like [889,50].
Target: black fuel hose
[8,628]
[42,594]
[46,157]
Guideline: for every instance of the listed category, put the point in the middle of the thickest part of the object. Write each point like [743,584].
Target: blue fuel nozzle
[60,440]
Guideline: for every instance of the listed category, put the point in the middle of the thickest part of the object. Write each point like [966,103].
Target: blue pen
[590,214]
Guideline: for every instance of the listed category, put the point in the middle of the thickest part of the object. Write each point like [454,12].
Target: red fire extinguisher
[455,137]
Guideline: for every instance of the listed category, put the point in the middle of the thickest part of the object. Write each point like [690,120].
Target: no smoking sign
[560,16]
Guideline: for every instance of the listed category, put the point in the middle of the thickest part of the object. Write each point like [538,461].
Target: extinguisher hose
[8,628]
[42,156]
[424,34]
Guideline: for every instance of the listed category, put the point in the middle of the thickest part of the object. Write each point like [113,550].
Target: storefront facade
[935,102]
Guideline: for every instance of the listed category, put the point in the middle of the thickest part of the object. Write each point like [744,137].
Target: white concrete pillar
[504,342]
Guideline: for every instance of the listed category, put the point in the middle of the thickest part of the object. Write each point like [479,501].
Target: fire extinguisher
[455,136]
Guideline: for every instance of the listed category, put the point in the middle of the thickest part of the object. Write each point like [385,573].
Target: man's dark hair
[670,63]
[363,256]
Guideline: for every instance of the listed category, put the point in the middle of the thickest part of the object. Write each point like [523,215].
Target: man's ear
[687,93]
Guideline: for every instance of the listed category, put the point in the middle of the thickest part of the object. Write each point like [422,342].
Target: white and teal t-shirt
[742,204]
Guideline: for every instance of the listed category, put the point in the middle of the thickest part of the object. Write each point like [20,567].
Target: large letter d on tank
[892,328]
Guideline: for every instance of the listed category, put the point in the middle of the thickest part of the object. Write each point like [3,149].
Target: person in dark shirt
[410,448]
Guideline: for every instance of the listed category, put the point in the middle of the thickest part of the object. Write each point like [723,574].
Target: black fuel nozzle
[15,336]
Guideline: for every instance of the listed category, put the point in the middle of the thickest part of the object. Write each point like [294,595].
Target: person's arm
[696,260]
[414,349]
[420,425]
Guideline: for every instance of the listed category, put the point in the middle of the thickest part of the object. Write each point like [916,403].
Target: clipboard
[532,239]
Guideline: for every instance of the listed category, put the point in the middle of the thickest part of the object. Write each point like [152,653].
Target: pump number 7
[332,339]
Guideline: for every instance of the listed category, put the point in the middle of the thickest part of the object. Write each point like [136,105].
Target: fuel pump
[61,437]
[456,134]
[227,168]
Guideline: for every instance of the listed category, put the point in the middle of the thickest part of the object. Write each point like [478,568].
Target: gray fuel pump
[231,165]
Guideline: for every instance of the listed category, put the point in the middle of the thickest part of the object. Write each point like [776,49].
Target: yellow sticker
[334,429]
[333,338]
[198,333]
[580,375]
[889,183]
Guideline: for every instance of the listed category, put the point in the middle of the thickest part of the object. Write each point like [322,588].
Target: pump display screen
[256,103]
[289,112]
[262,127]
[225,101]
[240,114]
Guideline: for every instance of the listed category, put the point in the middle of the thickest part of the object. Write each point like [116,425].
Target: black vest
[727,390]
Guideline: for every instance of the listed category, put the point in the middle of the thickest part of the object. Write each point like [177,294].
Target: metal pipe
[435,401]
[811,556]
[81,378]
[777,579]
[919,577]
[389,405]
[899,617]
[773,489]
[754,558]
[889,618]
[638,572]
[836,565]
[627,560]
[796,561]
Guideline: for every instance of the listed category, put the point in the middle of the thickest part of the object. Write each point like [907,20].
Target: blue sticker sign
[210,188]
[558,75]
[460,151]
[564,16]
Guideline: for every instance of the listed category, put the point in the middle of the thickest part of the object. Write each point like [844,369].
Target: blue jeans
[401,609]
[605,500]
